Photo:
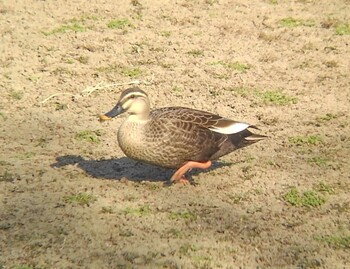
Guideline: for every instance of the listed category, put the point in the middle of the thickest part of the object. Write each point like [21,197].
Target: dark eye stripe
[134,91]
[130,97]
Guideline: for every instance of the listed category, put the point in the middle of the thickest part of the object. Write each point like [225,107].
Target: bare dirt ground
[69,198]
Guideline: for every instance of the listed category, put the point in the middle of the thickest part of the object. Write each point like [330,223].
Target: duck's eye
[132,96]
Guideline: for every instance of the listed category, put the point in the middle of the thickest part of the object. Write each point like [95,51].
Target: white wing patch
[233,128]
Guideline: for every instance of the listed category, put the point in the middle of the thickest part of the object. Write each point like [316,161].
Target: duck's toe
[183,180]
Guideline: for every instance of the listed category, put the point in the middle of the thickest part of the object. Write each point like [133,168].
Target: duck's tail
[255,137]
[245,138]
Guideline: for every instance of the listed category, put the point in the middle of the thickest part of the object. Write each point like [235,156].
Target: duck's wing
[184,132]
[204,119]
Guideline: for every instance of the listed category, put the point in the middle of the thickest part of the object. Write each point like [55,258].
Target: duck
[176,137]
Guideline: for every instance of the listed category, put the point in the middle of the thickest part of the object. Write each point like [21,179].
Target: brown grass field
[69,198]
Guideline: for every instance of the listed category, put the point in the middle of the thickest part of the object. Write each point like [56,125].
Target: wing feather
[204,119]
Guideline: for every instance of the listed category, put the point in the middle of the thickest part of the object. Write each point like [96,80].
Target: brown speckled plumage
[172,136]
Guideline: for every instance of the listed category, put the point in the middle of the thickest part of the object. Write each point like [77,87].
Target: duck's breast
[130,139]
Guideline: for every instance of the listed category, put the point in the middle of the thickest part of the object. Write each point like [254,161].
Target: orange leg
[179,175]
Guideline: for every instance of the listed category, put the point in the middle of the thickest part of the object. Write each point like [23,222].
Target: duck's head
[133,101]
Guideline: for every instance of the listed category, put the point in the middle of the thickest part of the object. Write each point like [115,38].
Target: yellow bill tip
[104,117]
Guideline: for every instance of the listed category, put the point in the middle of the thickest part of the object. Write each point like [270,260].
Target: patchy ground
[69,198]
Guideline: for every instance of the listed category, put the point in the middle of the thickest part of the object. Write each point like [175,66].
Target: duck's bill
[103,117]
[117,110]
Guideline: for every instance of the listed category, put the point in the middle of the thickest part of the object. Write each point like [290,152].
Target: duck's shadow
[123,168]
